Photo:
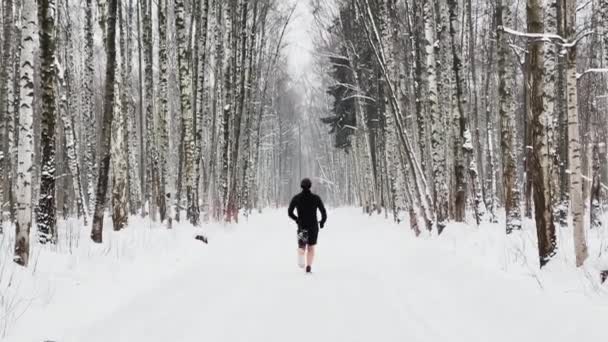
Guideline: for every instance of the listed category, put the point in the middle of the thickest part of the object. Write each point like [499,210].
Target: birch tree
[163,135]
[106,129]
[464,154]
[227,105]
[438,141]
[540,163]
[510,182]
[151,161]
[25,155]
[574,149]
[202,113]
[186,109]
[71,145]
[232,205]
[88,111]
[6,113]
[45,215]
[118,149]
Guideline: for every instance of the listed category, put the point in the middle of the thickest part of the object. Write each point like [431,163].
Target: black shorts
[307,236]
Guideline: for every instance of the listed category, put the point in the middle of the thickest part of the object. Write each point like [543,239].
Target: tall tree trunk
[128,109]
[473,88]
[185,85]
[252,83]
[25,155]
[232,205]
[421,78]
[491,192]
[65,78]
[464,159]
[550,70]
[227,104]
[106,129]
[150,136]
[201,109]
[118,144]
[574,148]
[506,74]
[12,130]
[88,110]
[440,194]
[6,108]
[163,194]
[540,162]
[70,142]
[562,125]
[140,85]
[443,51]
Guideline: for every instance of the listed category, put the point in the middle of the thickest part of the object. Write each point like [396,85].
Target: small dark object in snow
[202,238]
[604,276]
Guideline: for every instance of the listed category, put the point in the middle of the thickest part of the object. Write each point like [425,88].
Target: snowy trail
[373,281]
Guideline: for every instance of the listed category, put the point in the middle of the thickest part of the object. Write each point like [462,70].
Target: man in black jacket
[307,204]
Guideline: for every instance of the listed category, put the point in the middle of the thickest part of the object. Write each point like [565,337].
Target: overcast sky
[298,39]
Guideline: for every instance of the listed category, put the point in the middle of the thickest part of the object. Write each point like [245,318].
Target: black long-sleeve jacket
[307,204]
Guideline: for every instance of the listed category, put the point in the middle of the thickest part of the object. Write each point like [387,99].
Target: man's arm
[323,212]
[292,206]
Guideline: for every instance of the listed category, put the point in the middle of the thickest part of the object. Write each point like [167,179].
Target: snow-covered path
[373,281]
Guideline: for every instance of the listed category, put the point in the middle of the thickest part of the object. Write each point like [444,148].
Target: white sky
[298,39]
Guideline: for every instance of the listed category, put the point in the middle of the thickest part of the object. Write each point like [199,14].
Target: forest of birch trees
[163,108]
[436,111]
[471,111]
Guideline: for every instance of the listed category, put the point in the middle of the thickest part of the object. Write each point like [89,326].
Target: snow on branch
[541,36]
[548,37]
[347,86]
[359,96]
[578,38]
[582,7]
[591,71]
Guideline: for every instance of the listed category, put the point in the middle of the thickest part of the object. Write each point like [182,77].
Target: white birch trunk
[574,149]
[70,141]
[120,214]
[162,129]
[151,167]
[438,142]
[88,111]
[227,105]
[185,85]
[464,149]
[25,146]
[6,108]
[106,129]
[46,218]
[550,70]
[539,162]
[510,181]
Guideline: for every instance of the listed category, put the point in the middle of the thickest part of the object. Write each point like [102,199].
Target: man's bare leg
[301,252]
[310,255]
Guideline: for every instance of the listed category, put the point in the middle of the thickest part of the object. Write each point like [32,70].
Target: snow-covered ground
[373,281]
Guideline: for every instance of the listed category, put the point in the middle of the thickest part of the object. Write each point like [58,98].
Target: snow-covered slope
[373,281]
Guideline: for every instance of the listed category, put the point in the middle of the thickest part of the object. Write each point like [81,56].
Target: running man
[307,204]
